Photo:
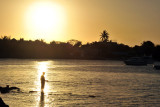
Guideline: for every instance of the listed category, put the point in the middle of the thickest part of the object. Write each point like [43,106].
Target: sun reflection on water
[42,67]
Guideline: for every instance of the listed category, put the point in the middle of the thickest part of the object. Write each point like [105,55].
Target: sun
[45,19]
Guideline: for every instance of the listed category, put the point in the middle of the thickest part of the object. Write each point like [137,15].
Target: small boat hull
[136,63]
[156,67]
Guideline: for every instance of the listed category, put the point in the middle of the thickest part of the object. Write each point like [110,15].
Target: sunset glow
[42,67]
[87,53]
[45,20]
[127,21]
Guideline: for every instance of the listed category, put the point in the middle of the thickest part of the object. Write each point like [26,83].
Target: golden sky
[127,21]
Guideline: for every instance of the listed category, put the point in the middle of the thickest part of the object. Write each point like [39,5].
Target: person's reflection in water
[42,82]
[41,100]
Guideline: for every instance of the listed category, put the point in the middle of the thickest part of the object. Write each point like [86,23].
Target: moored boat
[156,67]
[148,59]
[137,61]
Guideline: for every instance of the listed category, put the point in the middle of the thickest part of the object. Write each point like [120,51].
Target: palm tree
[104,36]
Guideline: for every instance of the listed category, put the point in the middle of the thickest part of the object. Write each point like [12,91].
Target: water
[91,83]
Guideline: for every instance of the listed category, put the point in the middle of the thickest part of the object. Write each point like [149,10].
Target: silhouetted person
[42,81]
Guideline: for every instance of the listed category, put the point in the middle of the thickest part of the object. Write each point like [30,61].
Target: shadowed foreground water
[91,83]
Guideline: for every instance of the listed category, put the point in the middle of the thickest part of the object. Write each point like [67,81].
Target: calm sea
[84,83]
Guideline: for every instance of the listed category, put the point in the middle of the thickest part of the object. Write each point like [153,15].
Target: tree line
[74,49]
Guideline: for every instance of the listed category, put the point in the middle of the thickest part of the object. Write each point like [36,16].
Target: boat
[137,61]
[148,59]
[156,67]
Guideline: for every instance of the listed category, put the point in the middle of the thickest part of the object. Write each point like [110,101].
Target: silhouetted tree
[148,47]
[75,43]
[156,53]
[104,36]
[5,38]
[104,49]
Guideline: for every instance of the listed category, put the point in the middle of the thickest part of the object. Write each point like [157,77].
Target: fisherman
[42,81]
